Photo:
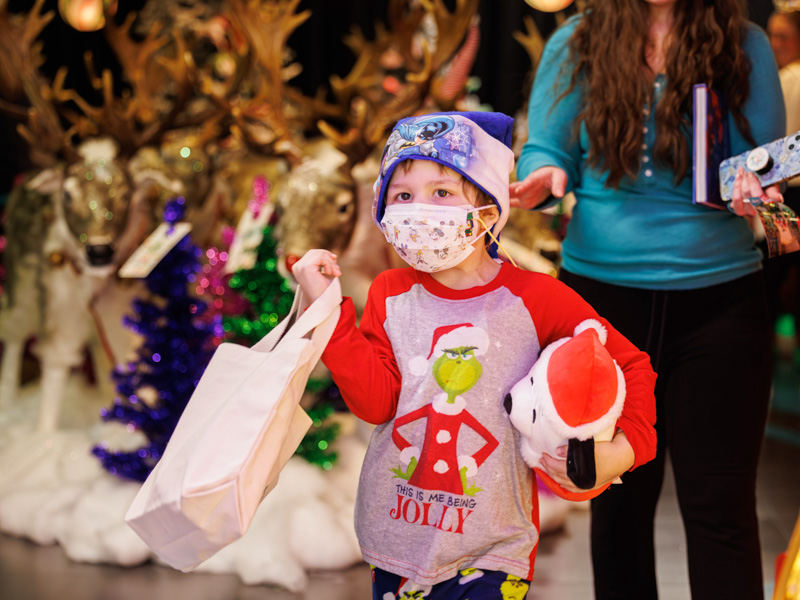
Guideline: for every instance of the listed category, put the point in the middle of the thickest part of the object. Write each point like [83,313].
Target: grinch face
[457,370]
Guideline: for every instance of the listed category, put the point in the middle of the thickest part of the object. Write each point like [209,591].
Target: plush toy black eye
[531,380]
[533,416]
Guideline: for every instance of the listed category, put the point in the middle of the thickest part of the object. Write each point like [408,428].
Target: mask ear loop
[495,240]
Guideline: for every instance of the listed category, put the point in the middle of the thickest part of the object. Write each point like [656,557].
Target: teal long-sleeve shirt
[647,233]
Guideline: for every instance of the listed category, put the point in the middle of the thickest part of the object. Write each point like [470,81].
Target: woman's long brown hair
[608,49]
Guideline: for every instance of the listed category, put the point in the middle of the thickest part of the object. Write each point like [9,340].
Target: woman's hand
[611,460]
[537,187]
[314,273]
[746,185]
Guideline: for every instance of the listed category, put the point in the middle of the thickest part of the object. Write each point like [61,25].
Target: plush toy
[572,396]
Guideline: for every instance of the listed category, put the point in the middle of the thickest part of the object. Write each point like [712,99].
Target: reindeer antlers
[371,109]
[19,77]
[17,37]
[165,89]
[262,118]
[531,40]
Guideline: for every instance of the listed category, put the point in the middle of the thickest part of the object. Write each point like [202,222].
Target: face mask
[431,238]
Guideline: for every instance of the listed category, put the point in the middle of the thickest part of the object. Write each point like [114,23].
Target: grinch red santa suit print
[456,369]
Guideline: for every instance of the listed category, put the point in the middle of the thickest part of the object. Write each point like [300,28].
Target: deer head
[95,199]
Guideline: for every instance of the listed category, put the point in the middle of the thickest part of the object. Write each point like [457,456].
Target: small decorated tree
[153,389]
[271,298]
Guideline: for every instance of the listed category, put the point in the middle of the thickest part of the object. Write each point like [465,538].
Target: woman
[610,119]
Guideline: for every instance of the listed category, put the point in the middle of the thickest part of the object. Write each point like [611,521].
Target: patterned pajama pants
[470,584]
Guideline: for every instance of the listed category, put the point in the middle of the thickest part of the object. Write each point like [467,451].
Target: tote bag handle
[320,311]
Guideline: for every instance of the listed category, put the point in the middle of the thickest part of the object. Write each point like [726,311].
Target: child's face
[425,182]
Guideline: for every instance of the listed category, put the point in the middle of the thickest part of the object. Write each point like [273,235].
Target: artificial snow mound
[53,490]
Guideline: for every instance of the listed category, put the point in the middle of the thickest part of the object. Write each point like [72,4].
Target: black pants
[712,351]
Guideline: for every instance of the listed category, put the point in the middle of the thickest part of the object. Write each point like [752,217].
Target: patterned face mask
[431,238]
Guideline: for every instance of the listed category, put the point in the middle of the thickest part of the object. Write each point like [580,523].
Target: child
[446,506]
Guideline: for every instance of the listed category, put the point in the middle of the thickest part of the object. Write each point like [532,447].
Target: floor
[30,572]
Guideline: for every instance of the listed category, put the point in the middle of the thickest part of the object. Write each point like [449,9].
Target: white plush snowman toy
[572,397]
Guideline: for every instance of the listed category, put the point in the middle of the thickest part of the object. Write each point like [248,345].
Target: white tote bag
[241,425]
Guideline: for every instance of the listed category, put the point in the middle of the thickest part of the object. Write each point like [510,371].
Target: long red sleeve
[362,362]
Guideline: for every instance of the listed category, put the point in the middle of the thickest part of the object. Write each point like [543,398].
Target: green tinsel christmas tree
[316,445]
[269,294]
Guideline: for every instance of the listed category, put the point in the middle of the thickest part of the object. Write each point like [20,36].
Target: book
[711,145]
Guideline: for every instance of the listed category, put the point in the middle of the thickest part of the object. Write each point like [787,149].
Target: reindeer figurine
[89,218]
[58,270]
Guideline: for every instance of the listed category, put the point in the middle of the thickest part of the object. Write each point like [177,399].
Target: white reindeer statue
[62,275]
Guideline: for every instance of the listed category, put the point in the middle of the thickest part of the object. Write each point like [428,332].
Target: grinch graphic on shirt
[437,465]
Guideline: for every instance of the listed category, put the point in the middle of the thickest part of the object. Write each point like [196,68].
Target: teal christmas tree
[154,389]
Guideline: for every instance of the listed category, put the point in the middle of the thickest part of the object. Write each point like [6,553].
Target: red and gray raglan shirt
[443,486]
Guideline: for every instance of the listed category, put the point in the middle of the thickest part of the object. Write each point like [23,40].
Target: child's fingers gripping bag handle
[320,318]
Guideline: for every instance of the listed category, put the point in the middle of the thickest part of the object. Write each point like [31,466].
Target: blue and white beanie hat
[475,144]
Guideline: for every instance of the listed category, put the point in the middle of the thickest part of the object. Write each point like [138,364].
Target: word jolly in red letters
[428,514]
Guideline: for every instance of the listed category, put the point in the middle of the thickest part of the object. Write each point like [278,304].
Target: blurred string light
[86,15]
[549,5]
[786,5]
[213,284]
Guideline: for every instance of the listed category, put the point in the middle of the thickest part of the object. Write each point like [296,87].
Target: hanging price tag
[249,233]
[154,249]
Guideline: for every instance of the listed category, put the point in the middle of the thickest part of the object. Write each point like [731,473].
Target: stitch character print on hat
[474,144]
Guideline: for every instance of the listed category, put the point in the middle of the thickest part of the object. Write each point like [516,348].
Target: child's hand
[537,187]
[611,459]
[314,273]
[746,185]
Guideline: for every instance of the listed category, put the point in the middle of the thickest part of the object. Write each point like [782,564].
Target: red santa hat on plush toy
[575,391]
[584,384]
[446,337]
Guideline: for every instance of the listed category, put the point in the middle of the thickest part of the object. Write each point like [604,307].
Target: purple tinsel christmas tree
[154,389]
